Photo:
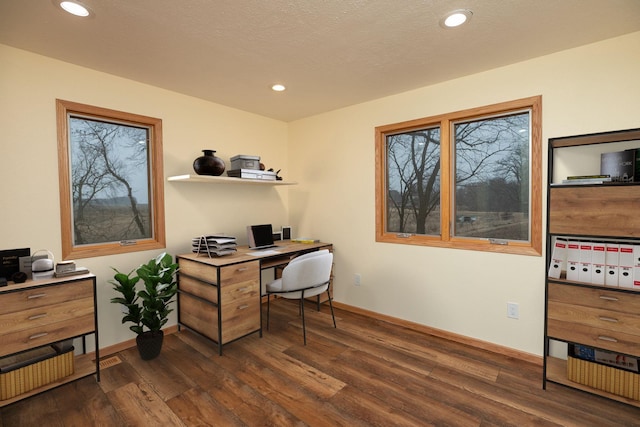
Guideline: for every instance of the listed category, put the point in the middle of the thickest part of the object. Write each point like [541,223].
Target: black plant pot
[149,345]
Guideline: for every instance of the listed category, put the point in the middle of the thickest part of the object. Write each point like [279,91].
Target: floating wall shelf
[225,180]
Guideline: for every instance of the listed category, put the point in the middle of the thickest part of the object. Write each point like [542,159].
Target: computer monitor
[260,236]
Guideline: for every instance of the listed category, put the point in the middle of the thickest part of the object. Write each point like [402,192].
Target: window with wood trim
[469,180]
[111,181]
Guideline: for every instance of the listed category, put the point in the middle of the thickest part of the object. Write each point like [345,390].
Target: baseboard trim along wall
[484,345]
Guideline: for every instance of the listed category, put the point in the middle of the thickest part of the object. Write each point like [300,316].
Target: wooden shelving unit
[581,313]
[226,180]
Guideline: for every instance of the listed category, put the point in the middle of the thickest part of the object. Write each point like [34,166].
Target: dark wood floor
[365,373]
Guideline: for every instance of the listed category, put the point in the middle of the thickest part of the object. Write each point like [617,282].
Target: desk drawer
[245,272]
[25,339]
[198,315]
[240,317]
[595,297]
[198,270]
[11,302]
[232,292]
[198,288]
[602,338]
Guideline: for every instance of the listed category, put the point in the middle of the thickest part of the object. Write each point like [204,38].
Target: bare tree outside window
[466,180]
[111,181]
[413,178]
[492,178]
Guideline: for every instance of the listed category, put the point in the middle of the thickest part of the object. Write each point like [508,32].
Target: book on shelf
[574,177]
[621,165]
[77,271]
[586,179]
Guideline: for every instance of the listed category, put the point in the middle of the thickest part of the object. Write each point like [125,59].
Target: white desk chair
[305,276]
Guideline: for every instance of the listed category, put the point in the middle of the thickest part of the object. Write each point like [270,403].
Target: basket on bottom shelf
[35,368]
[606,378]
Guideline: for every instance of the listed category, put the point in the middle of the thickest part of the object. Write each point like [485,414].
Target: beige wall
[29,86]
[591,89]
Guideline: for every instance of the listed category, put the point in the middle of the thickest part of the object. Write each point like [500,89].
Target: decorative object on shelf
[209,164]
[42,268]
[19,277]
[149,307]
[278,178]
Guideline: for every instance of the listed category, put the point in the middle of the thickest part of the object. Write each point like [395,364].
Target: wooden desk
[219,298]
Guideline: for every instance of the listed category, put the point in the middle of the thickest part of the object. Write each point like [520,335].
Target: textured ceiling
[329,53]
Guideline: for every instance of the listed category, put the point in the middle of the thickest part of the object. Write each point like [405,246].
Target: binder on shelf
[558,258]
[598,262]
[573,260]
[612,260]
[625,266]
[585,262]
[636,265]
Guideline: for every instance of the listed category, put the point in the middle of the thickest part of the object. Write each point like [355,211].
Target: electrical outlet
[513,311]
[357,279]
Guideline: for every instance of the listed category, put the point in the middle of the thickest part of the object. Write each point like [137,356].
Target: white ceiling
[329,53]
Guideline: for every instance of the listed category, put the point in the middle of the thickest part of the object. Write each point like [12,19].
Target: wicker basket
[33,375]
[605,378]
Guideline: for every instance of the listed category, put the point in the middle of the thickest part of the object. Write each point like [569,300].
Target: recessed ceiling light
[74,8]
[456,18]
[278,87]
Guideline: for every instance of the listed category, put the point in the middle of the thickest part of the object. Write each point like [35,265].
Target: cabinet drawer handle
[243,289]
[606,298]
[37,316]
[608,319]
[242,269]
[242,307]
[606,338]
[36,336]
[34,296]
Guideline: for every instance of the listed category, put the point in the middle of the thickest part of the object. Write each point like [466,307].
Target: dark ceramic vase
[209,164]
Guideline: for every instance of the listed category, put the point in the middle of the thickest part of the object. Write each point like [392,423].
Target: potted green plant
[147,308]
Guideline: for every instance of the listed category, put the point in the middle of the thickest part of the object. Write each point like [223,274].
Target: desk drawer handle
[242,269]
[36,336]
[34,296]
[606,298]
[608,319]
[242,307]
[37,316]
[606,338]
[244,289]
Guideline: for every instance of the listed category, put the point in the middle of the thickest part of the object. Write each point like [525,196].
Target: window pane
[109,181]
[491,199]
[413,182]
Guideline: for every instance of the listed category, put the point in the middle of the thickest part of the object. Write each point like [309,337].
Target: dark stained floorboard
[367,372]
